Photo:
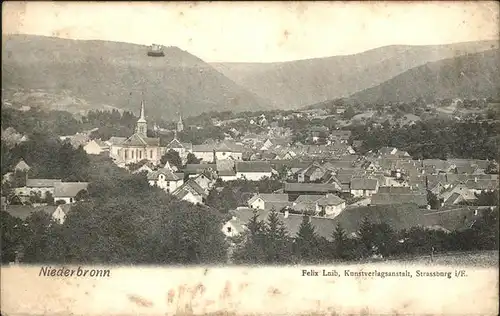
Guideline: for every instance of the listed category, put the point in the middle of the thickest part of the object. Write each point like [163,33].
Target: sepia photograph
[250,158]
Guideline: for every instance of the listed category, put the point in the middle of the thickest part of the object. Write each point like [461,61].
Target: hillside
[100,74]
[302,82]
[470,76]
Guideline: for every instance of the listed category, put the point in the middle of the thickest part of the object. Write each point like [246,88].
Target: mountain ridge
[308,81]
[117,74]
[467,76]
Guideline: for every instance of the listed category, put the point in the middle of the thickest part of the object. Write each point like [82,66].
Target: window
[229,229]
[126,153]
[140,154]
[132,156]
[151,154]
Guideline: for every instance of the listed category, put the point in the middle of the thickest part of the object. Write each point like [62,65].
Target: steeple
[141,127]
[180,125]
[142,118]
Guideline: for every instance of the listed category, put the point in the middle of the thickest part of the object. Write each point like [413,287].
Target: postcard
[250,158]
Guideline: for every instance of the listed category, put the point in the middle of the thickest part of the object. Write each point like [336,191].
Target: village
[324,180]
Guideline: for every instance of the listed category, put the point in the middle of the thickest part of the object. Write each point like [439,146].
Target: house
[264,201]
[67,191]
[363,186]
[77,140]
[297,189]
[253,170]
[21,166]
[204,152]
[312,173]
[226,170]
[460,188]
[145,168]
[307,204]
[42,186]
[96,147]
[479,186]
[229,150]
[192,170]
[330,205]
[165,179]
[191,192]
[453,199]
[61,212]
[233,227]
[181,148]
[204,181]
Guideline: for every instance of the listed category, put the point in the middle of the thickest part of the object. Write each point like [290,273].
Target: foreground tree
[250,249]
[277,243]
[306,242]
[340,244]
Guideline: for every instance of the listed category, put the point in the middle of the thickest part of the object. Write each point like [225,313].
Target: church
[138,146]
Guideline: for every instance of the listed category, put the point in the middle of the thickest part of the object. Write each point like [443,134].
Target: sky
[262,31]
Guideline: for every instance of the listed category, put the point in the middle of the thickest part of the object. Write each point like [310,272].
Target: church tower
[180,125]
[141,127]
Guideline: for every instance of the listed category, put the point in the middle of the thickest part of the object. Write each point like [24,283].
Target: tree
[306,242]
[82,195]
[35,197]
[49,198]
[433,200]
[340,243]
[384,239]
[173,159]
[366,237]
[223,201]
[277,246]
[13,233]
[250,248]
[191,159]
[41,245]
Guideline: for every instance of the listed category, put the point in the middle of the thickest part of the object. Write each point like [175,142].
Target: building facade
[139,146]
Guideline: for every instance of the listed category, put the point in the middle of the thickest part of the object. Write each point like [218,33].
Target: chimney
[286,213]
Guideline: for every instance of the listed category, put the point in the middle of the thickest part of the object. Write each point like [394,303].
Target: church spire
[141,127]
[142,118]
[180,125]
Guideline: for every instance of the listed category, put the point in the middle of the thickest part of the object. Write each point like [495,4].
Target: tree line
[440,139]
[267,241]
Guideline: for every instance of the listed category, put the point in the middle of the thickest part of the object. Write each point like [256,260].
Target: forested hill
[470,76]
[301,82]
[99,74]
